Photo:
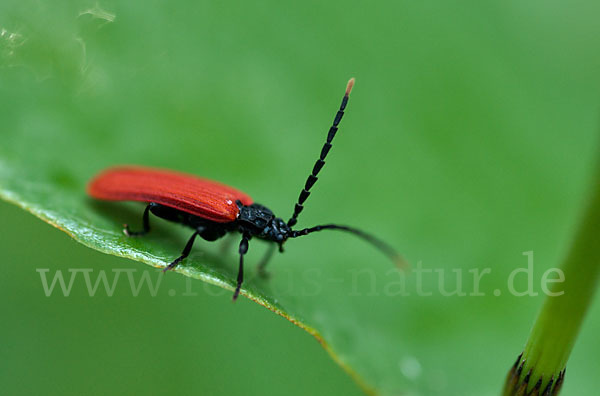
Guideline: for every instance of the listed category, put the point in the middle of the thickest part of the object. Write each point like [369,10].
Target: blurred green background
[469,139]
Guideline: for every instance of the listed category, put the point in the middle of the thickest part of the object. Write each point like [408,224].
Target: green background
[469,139]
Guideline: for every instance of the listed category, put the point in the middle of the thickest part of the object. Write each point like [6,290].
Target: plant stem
[540,368]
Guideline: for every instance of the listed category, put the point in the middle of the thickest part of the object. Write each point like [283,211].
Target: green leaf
[468,141]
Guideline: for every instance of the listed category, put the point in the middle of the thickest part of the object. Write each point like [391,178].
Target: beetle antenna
[376,242]
[312,178]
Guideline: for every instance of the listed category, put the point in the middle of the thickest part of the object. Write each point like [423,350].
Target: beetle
[213,209]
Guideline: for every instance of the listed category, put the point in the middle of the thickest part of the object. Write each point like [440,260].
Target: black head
[259,221]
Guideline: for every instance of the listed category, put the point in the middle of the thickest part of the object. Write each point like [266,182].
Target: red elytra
[201,197]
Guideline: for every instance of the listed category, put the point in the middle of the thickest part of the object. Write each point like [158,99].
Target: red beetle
[213,209]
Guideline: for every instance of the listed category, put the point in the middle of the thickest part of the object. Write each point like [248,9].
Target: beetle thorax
[259,221]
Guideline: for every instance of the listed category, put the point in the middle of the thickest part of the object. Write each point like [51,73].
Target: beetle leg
[262,271]
[240,277]
[186,250]
[145,222]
